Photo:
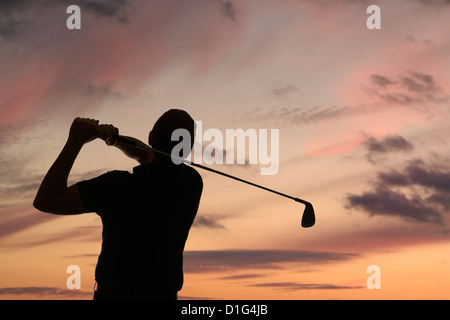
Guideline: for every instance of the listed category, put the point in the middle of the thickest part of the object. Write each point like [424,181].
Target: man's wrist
[74,143]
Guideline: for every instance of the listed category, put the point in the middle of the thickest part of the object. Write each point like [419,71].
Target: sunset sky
[363,118]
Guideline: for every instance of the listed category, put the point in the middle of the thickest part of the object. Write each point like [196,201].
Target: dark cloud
[419,82]
[210,222]
[436,180]
[395,193]
[415,173]
[294,286]
[385,202]
[393,178]
[228,9]
[13,20]
[11,28]
[388,144]
[440,198]
[7,5]
[119,9]
[19,18]
[220,260]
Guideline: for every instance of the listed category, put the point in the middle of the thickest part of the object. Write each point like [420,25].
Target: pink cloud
[119,56]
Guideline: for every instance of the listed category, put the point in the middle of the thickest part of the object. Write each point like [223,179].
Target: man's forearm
[55,181]
[140,155]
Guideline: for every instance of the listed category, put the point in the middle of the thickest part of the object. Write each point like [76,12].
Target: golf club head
[308,218]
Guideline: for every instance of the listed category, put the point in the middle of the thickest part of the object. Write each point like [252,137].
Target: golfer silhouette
[146,215]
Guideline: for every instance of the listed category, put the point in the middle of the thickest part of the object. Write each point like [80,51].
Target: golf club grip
[125,140]
[143,146]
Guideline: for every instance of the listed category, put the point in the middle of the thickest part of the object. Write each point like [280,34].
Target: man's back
[146,219]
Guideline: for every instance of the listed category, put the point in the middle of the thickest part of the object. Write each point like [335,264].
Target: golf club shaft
[148,148]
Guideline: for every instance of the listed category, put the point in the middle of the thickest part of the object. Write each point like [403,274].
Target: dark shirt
[146,219]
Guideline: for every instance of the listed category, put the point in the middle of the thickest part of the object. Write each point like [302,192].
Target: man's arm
[53,195]
[140,155]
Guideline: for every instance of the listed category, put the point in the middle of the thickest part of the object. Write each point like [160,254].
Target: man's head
[160,136]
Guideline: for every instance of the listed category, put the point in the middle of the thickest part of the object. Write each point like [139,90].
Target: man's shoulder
[194,173]
[111,175]
[194,176]
[118,173]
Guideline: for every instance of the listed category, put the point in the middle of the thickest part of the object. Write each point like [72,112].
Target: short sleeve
[96,192]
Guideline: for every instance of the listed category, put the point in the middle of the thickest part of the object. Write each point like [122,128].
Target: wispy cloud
[284,89]
[25,222]
[294,286]
[13,221]
[208,221]
[43,292]
[419,91]
[411,88]
[289,116]
[240,277]
[18,183]
[221,260]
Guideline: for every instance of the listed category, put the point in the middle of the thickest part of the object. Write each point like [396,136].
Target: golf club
[308,216]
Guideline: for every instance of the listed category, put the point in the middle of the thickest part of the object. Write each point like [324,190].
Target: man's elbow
[43,205]
[67,203]
[39,205]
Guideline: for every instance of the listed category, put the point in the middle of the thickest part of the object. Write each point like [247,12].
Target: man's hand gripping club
[84,130]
